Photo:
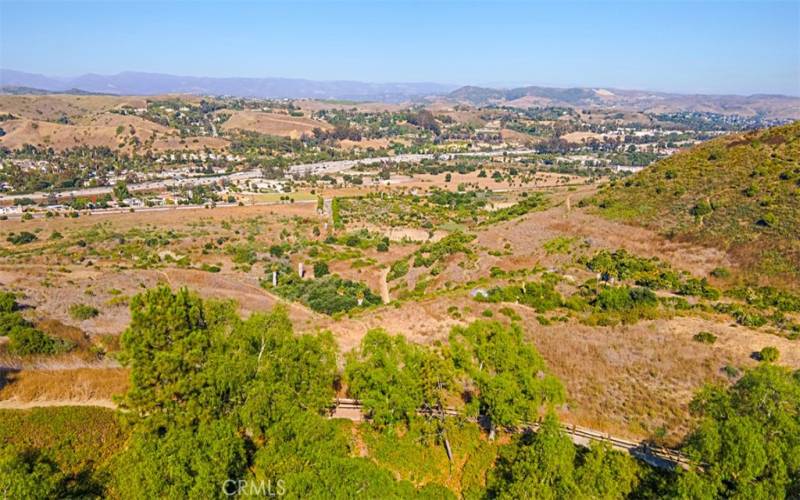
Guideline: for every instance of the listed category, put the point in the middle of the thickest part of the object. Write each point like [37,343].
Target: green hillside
[740,193]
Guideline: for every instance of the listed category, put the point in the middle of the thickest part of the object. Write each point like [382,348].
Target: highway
[329,167]
[144,186]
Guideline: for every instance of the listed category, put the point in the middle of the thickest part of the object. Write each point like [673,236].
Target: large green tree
[507,374]
[748,442]
[287,373]
[181,461]
[168,346]
[547,465]
[217,400]
[383,374]
[25,474]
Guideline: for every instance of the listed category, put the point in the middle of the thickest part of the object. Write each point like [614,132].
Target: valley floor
[631,380]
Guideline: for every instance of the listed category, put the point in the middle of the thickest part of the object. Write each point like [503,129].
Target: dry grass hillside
[739,193]
[90,121]
[273,123]
[106,130]
[53,107]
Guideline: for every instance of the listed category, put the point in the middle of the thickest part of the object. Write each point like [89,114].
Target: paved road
[329,167]
[163,208]
[144,186]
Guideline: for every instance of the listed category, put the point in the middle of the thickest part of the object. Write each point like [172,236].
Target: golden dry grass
[91,124]
[74,385]
[101,131]
[52,107]
[273,123]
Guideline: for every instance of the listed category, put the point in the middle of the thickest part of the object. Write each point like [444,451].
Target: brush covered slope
[739,193]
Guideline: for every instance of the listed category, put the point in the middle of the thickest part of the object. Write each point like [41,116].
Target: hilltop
[740,193]
[763,105]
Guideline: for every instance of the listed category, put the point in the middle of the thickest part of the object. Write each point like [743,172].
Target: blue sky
[695,46]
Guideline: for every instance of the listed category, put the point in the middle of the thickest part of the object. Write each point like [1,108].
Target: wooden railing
[658,456]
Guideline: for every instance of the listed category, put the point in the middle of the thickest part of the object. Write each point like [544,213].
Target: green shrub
[542,296]
[768,220]
[720,272]
[320,269]
[743,316]
[705,337]
[431,253]
[24,338]
[329,294]
[702,208]
[336,214]
[559,245]
[731,371]
[768,354]
[624,298]
[533,202]
[21,238]
[398,270]
[82,312]
[210,268]
[510,313]
[8,302]
[698,288]
[766,297]
[31,341]
[383,245]
[276,251]
[242,254]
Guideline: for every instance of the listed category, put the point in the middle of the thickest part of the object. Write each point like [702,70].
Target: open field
[273,123]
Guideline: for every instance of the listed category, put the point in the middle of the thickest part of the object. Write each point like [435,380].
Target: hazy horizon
[739,48]
[454,85]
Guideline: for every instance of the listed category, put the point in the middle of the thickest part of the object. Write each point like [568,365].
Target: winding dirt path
[385,286]
[12,404]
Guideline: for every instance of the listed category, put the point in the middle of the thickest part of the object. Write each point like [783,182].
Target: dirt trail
[385,286]
[12,404]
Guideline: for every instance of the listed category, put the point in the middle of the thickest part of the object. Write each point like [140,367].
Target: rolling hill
[772,107]
[740,193]
[766,106]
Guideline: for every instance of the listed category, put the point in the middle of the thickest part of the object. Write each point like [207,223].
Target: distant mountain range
[133,83]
